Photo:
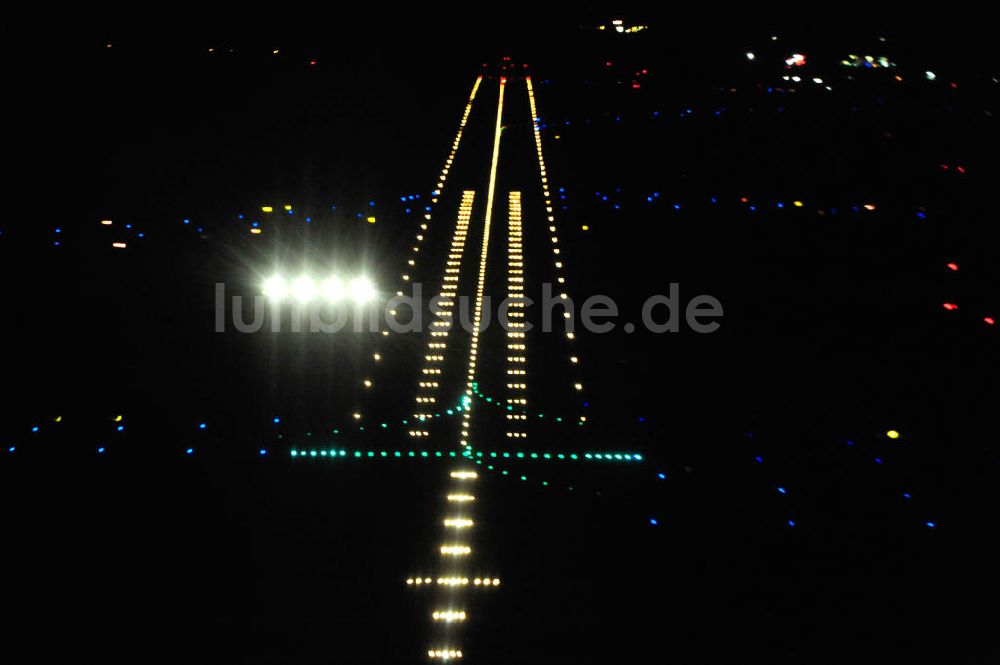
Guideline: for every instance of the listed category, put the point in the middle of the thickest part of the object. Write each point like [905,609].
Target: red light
[743,199]
[960,169]
[950,306]
[608,63]
[635,86]
[989,320]
[645,71]
[954,86]
[944,167]
[312,62]
[953,266]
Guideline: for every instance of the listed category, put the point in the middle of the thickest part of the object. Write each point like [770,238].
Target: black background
[833,332]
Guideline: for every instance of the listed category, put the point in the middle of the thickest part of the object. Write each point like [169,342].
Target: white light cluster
[445,654]
[455,550]
[419,581]
[306,289]
[449,616]
[446,304]
[574,360]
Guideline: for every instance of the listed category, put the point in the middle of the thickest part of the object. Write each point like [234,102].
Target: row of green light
[367,382]
[558,263]
[510,407]
[428,383]
[333,453]
[517,374]
[505,473]
[406,422]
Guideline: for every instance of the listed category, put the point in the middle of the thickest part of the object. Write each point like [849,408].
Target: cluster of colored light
[880,459]
[953,307]
[618,26]
[869,61]
[454,581]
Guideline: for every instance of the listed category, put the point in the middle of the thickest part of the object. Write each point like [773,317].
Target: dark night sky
[834,333]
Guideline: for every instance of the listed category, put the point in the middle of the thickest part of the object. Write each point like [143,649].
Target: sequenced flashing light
[304,289]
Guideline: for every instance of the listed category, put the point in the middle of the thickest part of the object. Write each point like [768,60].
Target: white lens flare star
[306,289]
[333,289]
[275,288]
[362,290]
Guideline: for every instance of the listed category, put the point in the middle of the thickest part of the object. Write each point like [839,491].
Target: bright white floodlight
[304,289]
[333,289]
[362,290]
[275,288]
